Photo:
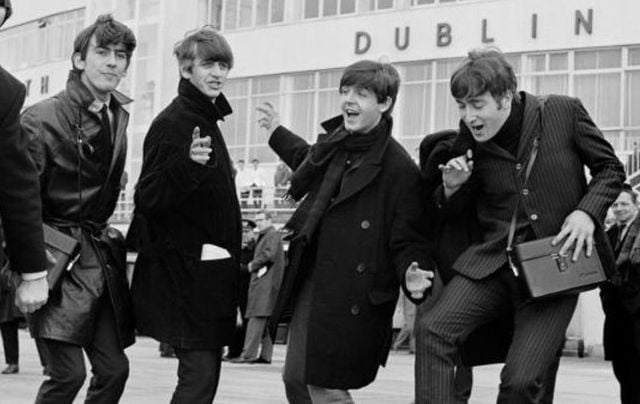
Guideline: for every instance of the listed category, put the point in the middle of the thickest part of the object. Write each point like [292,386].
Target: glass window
[262,12]
[311,8]
[416,109]
[347,6]
[419,2]
[633,99]
[236,87]
[230,14]
[417,71]
[268,84]
[303,81]
[233,128]
[246,13]
[330,79]
[536,63]
[328,105]
[586,60]
[634,56]
[445,68]
[301,115]
[366,5]
[548,84]
[149,8]
[384,4]
[277,11]
[329,7]
[125,9]
[609,58]
[446,115]
[147,40]
[558,61]
[600,94]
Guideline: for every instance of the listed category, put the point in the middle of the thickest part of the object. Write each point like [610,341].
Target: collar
[265,231]
[377,152]
[219,108]
[80,94]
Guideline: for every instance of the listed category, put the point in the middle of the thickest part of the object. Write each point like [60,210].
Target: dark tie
[106,123]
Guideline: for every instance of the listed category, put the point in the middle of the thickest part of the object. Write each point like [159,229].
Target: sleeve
[291,148]
[267,253]
[168,175]
[409,241]
[20,203]
[607,172]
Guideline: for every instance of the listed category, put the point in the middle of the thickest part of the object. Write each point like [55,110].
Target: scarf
[325,165]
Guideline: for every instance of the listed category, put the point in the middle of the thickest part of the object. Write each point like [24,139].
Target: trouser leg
[10,341]
[198,376]
[66,373]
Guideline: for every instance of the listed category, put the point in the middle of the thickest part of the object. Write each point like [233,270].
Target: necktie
[106,123]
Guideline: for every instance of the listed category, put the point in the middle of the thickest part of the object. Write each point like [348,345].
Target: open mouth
[477,127]
[351,112]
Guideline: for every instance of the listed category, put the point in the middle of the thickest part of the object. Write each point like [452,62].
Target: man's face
[360,108]
[262,221]
[483,115]
[207,76]
[623,208]
[102,68]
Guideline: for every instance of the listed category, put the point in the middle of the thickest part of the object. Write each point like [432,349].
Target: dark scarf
[326,163]
[508,137]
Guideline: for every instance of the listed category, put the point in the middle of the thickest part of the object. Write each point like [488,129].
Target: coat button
[360,268]
[365,224]
[525,192]
[355,310]
[518,166]
[348,162]
[533,217]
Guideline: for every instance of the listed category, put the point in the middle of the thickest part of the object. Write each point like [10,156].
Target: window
[44,84]
[27,86]
[414,99]
[210,13]
[249,13]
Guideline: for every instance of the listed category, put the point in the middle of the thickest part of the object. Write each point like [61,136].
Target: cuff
[33,276]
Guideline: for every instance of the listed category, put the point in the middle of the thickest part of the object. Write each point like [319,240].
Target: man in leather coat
[78,142]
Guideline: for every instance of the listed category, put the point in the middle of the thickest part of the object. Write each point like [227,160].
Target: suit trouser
[198,376]
[254,337]
[10,342]
[65,361]
[539,329]
[626,359]
[293,375]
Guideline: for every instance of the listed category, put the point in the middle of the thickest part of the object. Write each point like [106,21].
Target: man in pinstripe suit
[499,127]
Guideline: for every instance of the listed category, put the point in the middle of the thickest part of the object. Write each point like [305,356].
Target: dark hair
[627,188]
[484,70]
[108,31]
[380,78]
[205,43]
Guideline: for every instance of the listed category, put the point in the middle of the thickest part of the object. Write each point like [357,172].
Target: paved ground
[580,381]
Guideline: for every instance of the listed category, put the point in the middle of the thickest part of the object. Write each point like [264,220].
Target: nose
[216,70]
[111,59]
[468,113]
[348,96]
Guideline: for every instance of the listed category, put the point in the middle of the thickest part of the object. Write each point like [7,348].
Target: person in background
[188,222]
[79,145]
[266,269]
[407,330]
[621,297]
[244,277]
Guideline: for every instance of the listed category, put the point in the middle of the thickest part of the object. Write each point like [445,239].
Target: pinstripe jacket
[568,141]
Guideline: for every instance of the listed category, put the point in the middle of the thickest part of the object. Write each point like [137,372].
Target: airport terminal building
[291,52]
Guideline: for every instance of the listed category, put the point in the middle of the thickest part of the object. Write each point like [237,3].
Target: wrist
[34,276]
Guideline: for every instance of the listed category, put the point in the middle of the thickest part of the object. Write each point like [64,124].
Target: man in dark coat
[266,269]
[20,205]
[357,236]
[188,222]
[78,141]
[621,298]
[500,127]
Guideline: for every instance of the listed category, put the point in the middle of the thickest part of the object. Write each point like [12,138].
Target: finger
[578,250]
[469,154]
[196,133]
[429,274]
[562,234]
[413,266]
[567,244]
[470,165]
[589,243]
[417,295]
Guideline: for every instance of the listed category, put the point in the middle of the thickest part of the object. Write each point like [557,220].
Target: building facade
[291,52]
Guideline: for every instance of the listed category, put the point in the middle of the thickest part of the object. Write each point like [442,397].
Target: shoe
[228,358]
[260,361]
[240,359]
[12,369]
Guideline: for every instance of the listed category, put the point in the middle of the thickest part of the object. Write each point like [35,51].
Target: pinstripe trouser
[465,304]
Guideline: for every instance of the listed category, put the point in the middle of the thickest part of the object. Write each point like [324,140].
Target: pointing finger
[196,133]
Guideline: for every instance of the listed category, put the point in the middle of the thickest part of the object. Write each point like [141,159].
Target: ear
[185,71]
[506,100]
[78,63]
[385,105]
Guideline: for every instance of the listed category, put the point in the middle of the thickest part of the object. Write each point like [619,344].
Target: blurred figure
[244,277]
[266,269]
[256,182]
[243,182]
[621,297]
[407,330]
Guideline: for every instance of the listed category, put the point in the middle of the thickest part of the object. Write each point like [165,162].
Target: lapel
[120,120]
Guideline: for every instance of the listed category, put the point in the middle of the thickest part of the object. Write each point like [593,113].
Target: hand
[577,228]
[456,172]
[31,295]
[270,118]
[417,280]
[200,147]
